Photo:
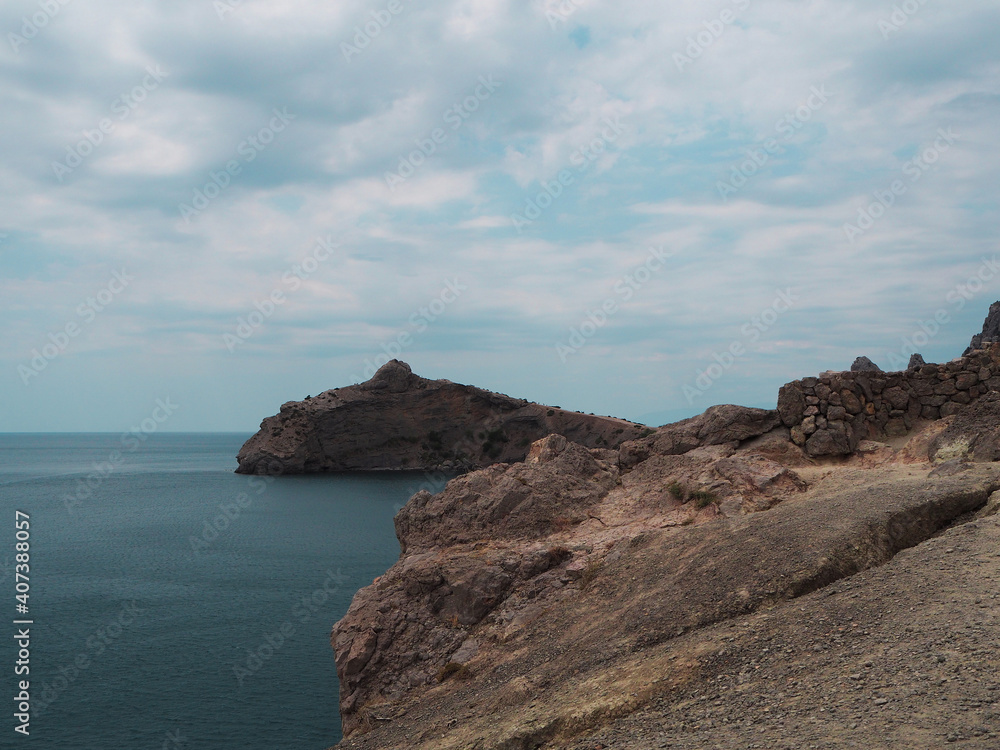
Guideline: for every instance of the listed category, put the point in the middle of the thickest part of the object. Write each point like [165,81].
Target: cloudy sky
[626,208]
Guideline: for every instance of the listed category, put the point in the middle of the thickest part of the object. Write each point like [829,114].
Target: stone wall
[830,414]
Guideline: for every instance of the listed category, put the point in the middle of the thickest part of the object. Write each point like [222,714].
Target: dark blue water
[169,609]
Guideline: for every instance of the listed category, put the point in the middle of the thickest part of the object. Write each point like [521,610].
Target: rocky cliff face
[990,332]
[495,549]
[676,591]
[398,420]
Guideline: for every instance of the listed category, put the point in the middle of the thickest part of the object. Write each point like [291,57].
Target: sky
[210,208]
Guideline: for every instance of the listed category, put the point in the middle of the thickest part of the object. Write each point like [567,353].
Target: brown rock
[510,502]
[974,433]
[896,397]
[398,420]
[828,443]
[791,403]
[850,402]
[966,380]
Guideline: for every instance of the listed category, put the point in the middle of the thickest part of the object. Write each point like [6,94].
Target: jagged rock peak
[863,364]
[394,376]
[990,333]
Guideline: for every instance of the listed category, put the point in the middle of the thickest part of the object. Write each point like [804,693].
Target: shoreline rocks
[399,420]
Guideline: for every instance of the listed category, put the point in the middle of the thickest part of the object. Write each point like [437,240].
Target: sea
[173,604]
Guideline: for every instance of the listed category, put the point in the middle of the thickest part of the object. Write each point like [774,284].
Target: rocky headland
[821,575]
[399,420]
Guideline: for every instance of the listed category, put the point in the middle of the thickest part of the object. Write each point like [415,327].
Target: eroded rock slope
[551,602]
[398,420]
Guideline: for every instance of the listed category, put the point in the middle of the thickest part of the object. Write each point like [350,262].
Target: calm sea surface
[172,611]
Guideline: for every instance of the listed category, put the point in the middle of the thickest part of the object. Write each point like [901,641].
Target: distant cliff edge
[399,420]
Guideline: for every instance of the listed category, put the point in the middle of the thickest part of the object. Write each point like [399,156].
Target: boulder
[791,403]
[973,434]
[863,364]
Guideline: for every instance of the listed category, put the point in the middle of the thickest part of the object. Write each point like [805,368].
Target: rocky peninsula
[824,574]
[399,420]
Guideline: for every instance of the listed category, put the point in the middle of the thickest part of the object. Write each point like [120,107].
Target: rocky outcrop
[990,332]
[831,414]
[973,434]
[522,623]
[863,364]
[556,601]
[497,545]
[718,425]
[398,420]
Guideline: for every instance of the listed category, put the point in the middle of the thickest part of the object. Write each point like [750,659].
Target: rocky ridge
[665,593]
[398,420]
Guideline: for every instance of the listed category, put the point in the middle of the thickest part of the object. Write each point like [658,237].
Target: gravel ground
[900,656]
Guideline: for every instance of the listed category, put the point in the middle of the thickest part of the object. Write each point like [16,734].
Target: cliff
[398,420]
[718,582]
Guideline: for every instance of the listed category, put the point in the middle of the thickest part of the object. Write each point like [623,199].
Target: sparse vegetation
[558,553]
[453,669]
[703,498]
[647,432]
[561,523]
[591,572]
[677,490]
[550,413]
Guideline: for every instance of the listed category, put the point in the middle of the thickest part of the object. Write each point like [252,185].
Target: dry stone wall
[830,414]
